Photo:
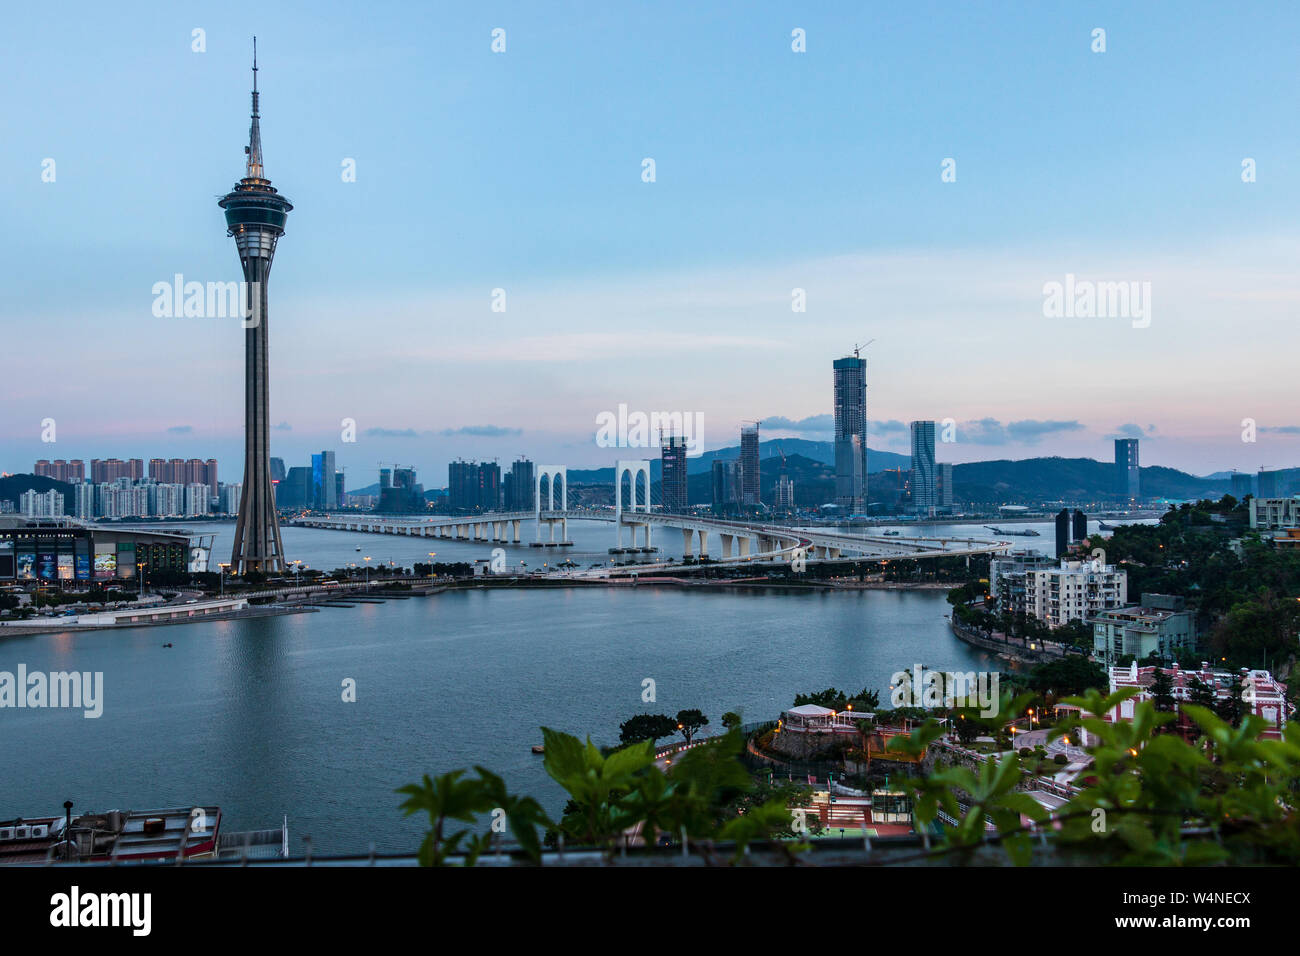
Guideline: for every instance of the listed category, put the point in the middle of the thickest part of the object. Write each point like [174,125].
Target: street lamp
[223,567]
[367,560]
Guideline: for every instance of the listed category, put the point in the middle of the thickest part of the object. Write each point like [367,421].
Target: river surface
[248,714]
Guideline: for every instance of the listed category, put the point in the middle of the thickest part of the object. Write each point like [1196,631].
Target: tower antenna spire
[254,148]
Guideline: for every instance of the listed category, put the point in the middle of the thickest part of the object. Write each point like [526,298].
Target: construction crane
[857,349]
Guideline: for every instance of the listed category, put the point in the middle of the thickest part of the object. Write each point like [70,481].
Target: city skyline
[947,277]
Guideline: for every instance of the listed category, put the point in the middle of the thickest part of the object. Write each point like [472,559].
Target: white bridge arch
[554,474]
[634,470]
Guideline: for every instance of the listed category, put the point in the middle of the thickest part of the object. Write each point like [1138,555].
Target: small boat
[169,644]
[358,549]
[538,749]
[892,534]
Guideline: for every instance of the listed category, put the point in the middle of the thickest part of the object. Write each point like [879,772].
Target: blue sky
[775,170]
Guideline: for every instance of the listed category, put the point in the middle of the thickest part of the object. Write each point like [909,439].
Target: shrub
[1025,752]
[1061,759]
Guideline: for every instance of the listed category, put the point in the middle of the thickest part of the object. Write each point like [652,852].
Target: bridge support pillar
[704,543]
[744,546]
[832,553]
[516,529]
[688,540]
[727,540]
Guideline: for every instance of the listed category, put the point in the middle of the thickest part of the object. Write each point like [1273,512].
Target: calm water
[248,714]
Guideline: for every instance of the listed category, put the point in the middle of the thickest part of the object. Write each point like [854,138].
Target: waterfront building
[1160,623]
[324,484]
[749,466]
[230,498]
[166,499]
[255,218]
[1064,533]
[1128,476]
[1079,532]
[947,502]
[1242,486]
[471,486]
[850,380]
[672,457]
[40,504]
[277,471]
[83,500]
[197,500]
[400,493]
[517,486]
[292,494]
[1074,590]
[725,486]
[57,549]
[1007,578]
[923,481]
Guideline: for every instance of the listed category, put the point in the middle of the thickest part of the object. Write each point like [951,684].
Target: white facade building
[40,504]
[196,499]
[1274,514]
[83,499]
[1074,590]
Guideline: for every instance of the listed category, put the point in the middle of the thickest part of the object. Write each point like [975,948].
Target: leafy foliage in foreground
[1151,796]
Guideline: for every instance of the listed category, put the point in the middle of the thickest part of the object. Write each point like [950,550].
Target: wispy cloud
[1027,431]
[180,430]
[824,423]
[391,433]
[1132,430]
[483,431]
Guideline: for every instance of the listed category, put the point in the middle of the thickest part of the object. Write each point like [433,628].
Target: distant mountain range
[1028,481]
[1002,481]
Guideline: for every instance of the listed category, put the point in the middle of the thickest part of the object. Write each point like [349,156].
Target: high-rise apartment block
[749,466]
[850,376]
[1128,475]
[924,477]
[672,450]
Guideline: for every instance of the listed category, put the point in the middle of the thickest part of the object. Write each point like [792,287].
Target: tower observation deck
[255,218]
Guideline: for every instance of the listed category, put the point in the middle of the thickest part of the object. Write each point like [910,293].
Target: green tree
[646,727]
[689,723]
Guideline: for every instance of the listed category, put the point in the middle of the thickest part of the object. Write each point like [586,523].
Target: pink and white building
[1261,693]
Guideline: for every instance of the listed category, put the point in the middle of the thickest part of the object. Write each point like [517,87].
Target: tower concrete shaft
[255,218]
